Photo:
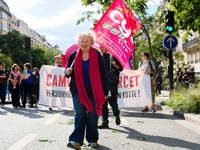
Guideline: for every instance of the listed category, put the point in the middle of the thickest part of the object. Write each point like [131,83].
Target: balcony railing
[191,42]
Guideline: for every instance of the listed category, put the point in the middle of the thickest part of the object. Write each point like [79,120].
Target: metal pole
[170,71]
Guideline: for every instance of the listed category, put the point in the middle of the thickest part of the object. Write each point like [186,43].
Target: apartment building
[5,18]
[14,23]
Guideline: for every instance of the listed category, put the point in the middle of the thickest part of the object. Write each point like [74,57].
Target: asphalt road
[40,129]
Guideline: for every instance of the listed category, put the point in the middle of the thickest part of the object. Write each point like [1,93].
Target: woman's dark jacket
[102,68]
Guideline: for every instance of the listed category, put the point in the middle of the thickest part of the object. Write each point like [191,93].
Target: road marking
[123,120]
[23,142]
[53,118]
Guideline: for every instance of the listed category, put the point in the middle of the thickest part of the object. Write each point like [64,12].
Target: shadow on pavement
[168,141]
[156,115]
[35,112]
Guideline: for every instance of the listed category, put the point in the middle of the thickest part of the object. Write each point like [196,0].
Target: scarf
[95,80]
[15,76]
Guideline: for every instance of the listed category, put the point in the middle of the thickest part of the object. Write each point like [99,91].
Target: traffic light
[169,21]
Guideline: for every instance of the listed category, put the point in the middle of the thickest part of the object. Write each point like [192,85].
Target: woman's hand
[68,71]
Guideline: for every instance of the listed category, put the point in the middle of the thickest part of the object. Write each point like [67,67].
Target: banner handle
[72,64]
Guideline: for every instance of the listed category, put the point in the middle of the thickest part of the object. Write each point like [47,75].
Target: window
[5,28]
[4,15]
[1,26]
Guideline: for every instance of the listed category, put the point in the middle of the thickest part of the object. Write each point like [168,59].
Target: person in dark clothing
[179,78]
[159,82]
[89,89]
[3,83]
[111,64]
[16,81]
[28,86]
[185,75]
[36,79]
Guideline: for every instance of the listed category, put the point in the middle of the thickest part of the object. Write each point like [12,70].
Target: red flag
[64,61]
[114,30]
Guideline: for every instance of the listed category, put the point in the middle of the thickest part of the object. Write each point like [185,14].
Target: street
[41,129]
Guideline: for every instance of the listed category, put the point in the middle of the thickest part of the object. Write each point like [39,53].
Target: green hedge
[187,100]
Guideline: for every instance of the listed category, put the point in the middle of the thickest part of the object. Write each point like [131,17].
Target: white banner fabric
[134,88]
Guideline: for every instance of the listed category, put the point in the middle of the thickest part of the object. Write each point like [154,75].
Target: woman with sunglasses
[3,83]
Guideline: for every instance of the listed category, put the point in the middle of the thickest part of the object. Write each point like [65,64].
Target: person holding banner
[89,88]
[149,70]
[57,61]
[112,64]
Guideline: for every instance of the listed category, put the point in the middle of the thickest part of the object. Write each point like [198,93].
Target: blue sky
[56,18]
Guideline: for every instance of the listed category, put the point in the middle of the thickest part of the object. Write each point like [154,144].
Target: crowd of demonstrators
[24,85]
[89,89]
[112,64]
[149,70]
[185,78]
[3,83]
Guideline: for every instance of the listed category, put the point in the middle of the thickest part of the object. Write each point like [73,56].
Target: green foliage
[12,45]
[189,10]
[185,100]
[38,55]
[7,61]
[50,54]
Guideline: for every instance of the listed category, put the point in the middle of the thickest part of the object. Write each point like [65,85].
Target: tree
[189,10]
[7,61]
[38,55]
[50,54]
[12,45]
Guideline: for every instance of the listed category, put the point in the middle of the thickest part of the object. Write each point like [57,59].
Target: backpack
[150,67]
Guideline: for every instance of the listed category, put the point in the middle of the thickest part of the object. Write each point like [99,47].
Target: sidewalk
[194,118]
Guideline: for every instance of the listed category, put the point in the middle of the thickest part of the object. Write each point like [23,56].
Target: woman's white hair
[90,34]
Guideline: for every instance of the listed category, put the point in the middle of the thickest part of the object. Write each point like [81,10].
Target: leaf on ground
[45,140]
[42,113]
[107,137]
[141,121]
[71,122]
[116,131]
[140,138]
[52,112]
[12,111]
[63,123]
[126,144]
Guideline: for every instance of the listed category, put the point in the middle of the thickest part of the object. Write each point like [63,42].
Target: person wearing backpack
[149,70]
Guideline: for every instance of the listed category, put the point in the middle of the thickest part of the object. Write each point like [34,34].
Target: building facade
[14,23]
[5,18]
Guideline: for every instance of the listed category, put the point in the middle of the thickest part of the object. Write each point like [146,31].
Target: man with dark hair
[149,70]
[185,75]
[57,61]
[111,64]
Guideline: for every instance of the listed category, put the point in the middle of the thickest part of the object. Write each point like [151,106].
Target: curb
[193,118]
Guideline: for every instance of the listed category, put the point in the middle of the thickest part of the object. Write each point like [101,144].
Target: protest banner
[134,88]
[114,29]
[54,87]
